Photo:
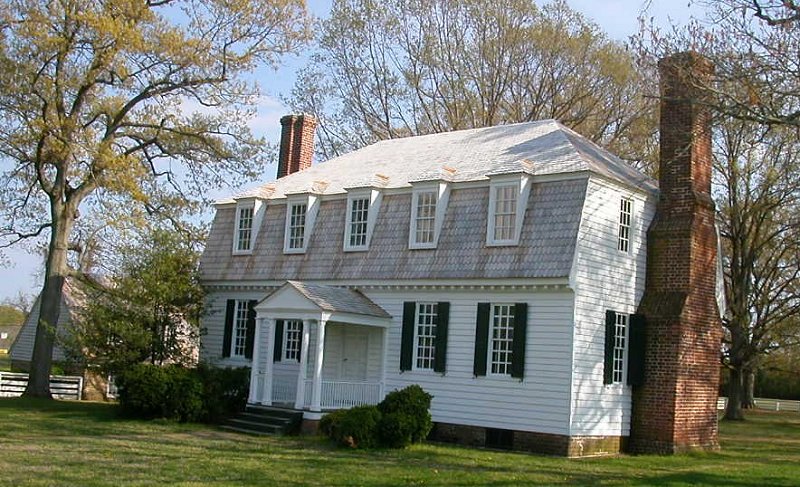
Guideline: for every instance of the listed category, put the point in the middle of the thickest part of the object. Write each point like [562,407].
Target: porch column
[255,365]
[316,391]
[383,362]
[300,398]
[266,379]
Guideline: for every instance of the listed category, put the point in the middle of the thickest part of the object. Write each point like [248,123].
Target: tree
[408,67]
[757,174]
[148,312]
[754,46]
[127,104]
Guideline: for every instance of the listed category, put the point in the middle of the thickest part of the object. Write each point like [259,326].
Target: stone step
[264,420]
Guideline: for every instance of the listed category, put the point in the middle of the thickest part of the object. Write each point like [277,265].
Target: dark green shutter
[637,339]
[608,359]
[518,345]
[276,357]
[481,339]
[230,309]
[407,338]
[250,336]
[442,320]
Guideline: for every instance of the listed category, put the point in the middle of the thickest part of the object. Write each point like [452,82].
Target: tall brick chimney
[297,143]
[676,407]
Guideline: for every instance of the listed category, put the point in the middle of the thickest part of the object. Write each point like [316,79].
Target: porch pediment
[297,299]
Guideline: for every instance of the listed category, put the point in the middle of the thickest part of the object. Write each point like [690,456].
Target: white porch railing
[284,389]
[346,394]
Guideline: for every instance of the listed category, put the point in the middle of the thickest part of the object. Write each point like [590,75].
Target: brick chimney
[297,143]
[675,408]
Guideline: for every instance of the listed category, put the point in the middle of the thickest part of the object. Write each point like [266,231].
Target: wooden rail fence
[61,386]
[767,404]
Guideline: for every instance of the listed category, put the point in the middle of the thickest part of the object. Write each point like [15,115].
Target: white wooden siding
[22,350]
[212,326]
[538,403]
[604,278]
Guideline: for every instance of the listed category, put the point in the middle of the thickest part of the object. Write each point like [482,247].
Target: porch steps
[264,420]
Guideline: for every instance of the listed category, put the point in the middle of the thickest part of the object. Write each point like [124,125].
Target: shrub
[356,427]
[329,425]
[406,417]
[225,391]
[180,394]
[141,390]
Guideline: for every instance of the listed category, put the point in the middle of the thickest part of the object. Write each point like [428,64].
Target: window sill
[503,243]
[294,251]
[242,252]
[356,249]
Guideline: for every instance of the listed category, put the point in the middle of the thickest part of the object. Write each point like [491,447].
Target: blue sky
[619,18]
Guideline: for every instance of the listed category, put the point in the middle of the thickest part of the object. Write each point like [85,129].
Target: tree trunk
[748,389]
[49,306]
[735,395]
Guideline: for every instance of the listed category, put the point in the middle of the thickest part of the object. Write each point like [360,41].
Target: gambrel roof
[559,161]
[544,147]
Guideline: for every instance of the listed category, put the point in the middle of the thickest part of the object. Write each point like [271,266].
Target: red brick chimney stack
[675,409]
[297,143]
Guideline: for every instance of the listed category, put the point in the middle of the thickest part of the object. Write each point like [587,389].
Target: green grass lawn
[86,444]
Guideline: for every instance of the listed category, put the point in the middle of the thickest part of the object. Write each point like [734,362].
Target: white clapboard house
[499,268]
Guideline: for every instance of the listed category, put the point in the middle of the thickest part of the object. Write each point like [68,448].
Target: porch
[318,348]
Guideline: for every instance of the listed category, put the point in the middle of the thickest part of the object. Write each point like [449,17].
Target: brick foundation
[675,408]
[528,441]
[309,427]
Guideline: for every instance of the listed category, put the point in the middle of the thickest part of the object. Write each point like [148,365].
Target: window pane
[620,347]
[625,206]
[240,329]
[297,226]
[425,350]
[293,334]
[426,217]
[505,212]
[245,229]
[359,211]
[502,338]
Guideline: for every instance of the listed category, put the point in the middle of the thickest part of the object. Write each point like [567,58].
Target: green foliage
[182,394]
[149,314]
[402,418]
[406,416]
[225,391]
[355,427]
[9,315]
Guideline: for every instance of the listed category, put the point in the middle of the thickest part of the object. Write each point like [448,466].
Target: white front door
[355,342]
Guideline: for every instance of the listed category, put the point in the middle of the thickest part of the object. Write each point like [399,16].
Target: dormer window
[249,213]
[301,211]
[362,209]
[424,217]
[625,218]
[359,215]
[244,229]
[508,196]
[428,204]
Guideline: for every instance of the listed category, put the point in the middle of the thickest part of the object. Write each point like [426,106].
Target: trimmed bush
[402,418]
[180,394]
[355,427]
[225,391]
[406,417]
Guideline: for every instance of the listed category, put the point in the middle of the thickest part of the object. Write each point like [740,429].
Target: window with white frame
[297,226]
[425,335]
[620,357]
[358,223]
[292,335]
[424,217]
[505,212]
[501,339]
[244,228]
[625,212]
[239,342]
